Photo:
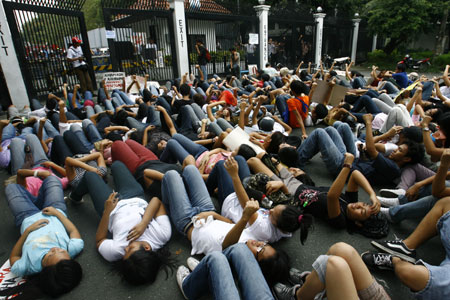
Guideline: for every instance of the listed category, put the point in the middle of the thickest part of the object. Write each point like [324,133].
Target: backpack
[207,55]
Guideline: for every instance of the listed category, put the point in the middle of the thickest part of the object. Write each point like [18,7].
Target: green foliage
[442,60]
[49,29]
[93,14]
[400,20]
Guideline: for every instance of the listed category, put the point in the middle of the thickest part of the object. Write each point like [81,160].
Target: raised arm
[286,127]
[439,189]
[209,109]
[200,72]
[232,237]
[73,101]
[297,71]
[334,208]
[370,144]
[430,147]
[167,119]
[102,229]
[445,77]
[356,180]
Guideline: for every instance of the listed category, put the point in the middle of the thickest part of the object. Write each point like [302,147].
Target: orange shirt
[301,104]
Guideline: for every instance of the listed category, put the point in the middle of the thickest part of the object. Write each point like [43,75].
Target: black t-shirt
[180,103]
[202,56]
[155,188]
[316,204]
[380,170]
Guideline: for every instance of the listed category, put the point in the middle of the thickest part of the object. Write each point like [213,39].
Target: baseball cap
[76,40]
[266,124]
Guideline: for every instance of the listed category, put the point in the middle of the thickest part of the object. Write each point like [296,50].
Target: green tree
[93,14]
[399,20]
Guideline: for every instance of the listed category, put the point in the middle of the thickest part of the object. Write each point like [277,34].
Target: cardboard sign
[237,137]
[9,279]
[337,95]
[113,80]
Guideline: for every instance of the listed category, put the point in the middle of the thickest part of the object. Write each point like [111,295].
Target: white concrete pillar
[318,18]
[10,64]
[374,42]
[355,38]
[262,11]
[181,42]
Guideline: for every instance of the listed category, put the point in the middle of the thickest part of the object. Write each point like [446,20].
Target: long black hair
[292,218]
[275,268]
[54,280]
[142,266]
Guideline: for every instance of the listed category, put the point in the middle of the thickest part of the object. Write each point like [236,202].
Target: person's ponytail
[292,219]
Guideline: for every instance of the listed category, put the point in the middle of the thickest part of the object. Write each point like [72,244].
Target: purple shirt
[5,154]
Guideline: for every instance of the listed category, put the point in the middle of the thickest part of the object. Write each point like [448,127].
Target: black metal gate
[42,31]
[220,26]
[142,40]
[293,40]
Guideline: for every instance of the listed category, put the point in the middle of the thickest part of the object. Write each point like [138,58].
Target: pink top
[211,160]
[34,183]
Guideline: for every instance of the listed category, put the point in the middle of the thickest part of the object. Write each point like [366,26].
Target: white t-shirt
[262,229]
[276,127]
[75,53]
[271,71]
[122,219]
[308,120]
[445,90]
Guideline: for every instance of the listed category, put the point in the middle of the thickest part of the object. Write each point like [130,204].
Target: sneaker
[388,202]
[385,211]
[182,273]
[359,129]
[284,292]
[69,198]
[377,261]
[392,193]
[192,263]
[396,248]
[297,277]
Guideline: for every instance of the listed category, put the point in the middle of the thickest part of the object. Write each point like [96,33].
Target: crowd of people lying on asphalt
[170,148]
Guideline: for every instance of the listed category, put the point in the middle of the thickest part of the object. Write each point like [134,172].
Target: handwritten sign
[113,80]
[253,38]
[9,279]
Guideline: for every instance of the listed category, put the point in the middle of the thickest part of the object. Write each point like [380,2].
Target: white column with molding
[10,64]
[318,18]
[355,38]
[262,11]
[181,42]
[374,42]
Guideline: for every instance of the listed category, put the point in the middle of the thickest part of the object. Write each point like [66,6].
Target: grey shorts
[374,292]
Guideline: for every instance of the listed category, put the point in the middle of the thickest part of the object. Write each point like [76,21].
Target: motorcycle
[410,63]
[339,63]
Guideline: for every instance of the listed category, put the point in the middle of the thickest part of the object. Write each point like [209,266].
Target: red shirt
[300,104]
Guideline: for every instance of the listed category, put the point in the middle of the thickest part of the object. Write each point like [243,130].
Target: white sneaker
[385,211]
[192,263]
[182,273]
[392,193]
[388,202]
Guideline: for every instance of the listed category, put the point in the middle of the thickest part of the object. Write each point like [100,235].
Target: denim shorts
[438,286]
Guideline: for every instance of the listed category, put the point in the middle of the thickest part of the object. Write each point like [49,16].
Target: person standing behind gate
[76,57]
[202,60]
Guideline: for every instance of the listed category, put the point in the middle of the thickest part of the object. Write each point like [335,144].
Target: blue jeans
[204,71]
[185,196]
[329,143]
[23,204]
[219,178]
[91,131]
[281,103]
[179,147]
[78,131]
[391,89]
[219,126]
[18,152]
[415,209]
[358,83]
[124,182]
[366,102]
[9,132]
[215,271]
[48,132]
[122,96]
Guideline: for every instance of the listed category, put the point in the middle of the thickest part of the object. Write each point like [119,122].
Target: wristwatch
[347,166]
[426,129]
